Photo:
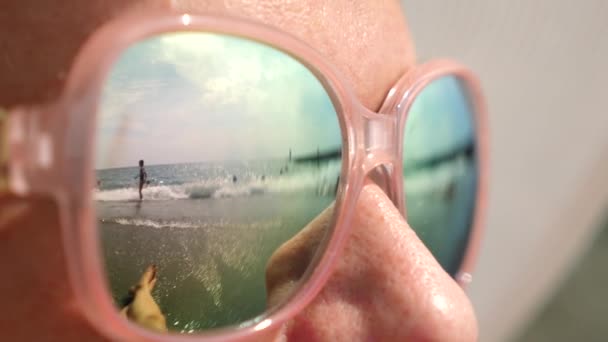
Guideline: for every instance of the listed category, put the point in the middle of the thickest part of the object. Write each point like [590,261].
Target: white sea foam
[160,224]
[154,224]
[150,193]
[319,181]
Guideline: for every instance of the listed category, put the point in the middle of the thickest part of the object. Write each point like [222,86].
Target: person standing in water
[143,178]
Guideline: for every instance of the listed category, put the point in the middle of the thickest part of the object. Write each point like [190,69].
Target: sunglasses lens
[212,151]
[441,169]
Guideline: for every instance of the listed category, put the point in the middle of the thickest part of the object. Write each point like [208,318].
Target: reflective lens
[440,169]
[212,151]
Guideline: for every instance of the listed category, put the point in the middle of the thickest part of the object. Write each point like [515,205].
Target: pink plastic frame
[51,149]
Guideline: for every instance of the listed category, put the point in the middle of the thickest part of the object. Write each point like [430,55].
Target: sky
[195,97]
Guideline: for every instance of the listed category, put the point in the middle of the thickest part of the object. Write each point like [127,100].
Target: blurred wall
[544,67]
[578,310]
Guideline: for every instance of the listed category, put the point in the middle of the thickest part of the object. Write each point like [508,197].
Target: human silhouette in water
[143,178]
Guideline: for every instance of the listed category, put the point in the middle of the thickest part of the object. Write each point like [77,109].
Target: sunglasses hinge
[26,148]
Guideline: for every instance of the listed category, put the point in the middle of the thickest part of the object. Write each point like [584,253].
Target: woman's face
[386,286]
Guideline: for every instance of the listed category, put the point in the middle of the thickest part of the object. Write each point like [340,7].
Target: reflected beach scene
[441,170]
[240,149]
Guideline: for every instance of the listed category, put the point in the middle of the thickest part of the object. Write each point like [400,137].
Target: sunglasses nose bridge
[379,139]
[379,148]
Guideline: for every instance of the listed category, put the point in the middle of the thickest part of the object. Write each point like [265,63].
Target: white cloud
[204,96]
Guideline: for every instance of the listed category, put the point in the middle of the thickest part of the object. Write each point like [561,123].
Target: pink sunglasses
[51,149]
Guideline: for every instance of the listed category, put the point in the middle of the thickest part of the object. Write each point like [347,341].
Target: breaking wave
[318,182]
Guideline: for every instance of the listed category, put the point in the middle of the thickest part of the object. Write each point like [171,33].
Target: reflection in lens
[240,149]
[440,169]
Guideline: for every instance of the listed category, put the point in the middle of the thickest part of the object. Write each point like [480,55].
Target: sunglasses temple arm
[4,152]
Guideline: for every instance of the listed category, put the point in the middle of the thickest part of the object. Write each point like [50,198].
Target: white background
[544,67]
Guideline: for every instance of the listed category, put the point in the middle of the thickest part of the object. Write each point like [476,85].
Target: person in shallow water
[386,286]
[143,178]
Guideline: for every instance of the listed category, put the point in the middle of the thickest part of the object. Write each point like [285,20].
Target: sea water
[210,228]
[211,236]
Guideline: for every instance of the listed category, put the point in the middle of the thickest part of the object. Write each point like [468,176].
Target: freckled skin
[387,286]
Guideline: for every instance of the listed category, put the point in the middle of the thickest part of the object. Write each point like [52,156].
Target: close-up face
[218,178]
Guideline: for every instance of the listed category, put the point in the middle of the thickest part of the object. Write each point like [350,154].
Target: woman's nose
[386,285]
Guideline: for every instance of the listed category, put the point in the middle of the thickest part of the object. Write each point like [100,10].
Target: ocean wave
[161,192]
[137,222]
[320,182]
[164,224]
